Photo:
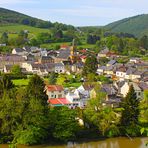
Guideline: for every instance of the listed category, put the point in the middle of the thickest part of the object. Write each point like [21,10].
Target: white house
[121,72]
[59,68]
[19,51]
[55,91]
[125,89]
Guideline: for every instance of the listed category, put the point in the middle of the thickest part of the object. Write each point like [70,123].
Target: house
[55,91]
[7,68]
[109,70]
[74,99]
[129,73]
[125,88]
[137,75]
[59,68]
[134,60]
[101,70]
[83,58]
[63,55]
[110,95]
[11,59]
[121,72]
[29,57]
[103,53]
[84,93]
[19,51]
[77,67]
[111,63]
[46,59]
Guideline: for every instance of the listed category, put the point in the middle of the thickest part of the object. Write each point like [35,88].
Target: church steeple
[73,51]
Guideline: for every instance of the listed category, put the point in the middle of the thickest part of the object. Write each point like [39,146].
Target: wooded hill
[9,17]
[137,25]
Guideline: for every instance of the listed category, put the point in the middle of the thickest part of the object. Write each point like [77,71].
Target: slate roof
[112,62]
[64,54]
[19,49]
[109,89]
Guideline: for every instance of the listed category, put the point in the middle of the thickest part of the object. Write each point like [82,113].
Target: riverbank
[120,142]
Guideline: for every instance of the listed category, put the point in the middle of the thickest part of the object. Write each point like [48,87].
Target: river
[108,143]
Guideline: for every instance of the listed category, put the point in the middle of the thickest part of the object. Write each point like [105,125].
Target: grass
[24,82]
[20,82]
[52,45]
[72,84]
[14,29]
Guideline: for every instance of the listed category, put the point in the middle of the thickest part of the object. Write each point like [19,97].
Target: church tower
[73,52]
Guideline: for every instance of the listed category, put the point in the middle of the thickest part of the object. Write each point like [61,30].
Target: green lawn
[72,85]
[21,82]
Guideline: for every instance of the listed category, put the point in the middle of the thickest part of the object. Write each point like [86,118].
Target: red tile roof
[64,101]
[58,101]
[55,88]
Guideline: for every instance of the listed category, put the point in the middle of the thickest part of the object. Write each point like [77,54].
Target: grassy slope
[137,25]
[14,29]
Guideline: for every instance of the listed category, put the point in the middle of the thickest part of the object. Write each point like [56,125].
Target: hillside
[9,17]
[137,25]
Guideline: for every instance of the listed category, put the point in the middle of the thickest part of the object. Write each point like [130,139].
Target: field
[14,29]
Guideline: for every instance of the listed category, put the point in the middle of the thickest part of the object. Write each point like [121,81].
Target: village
[69,61]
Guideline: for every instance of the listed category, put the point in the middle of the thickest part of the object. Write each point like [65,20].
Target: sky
[79,12]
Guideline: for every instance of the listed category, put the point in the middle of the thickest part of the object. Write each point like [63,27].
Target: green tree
[36,89]
[65,125]
[16,70]
[4,38]
[101,117]
[90,66]
[144,107]
[5,84]
[144,42]
[53,78]
[130,113]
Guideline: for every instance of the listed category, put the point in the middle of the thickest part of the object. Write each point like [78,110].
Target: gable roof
[18,49]
[55,88]
[58,101]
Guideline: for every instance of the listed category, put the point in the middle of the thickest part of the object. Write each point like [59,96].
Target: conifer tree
[130,113]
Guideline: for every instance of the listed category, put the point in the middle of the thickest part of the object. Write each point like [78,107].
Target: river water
[108,143]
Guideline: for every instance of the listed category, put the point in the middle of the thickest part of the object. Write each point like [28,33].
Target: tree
[53,78]
[5,84]
[4,38]
[58,34]
[16,70]
[144,42]
[65,125]
[130,113]
[101,117]
[36,89]
[90,66]
[144,107]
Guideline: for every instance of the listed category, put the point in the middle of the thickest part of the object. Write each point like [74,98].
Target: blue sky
[79,12]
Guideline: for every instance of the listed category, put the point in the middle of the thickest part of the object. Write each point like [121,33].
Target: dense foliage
[26,118]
